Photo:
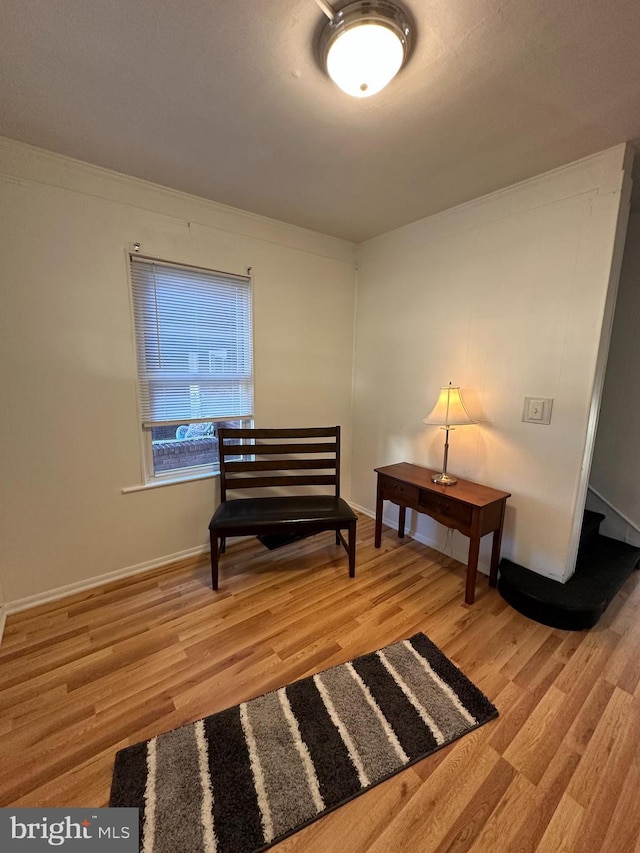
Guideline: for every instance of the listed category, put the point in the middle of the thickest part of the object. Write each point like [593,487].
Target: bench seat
[278,512]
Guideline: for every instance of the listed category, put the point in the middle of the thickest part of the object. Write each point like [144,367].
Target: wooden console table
[472,509]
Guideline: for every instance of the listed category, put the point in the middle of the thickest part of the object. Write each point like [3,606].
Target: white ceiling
[225,99]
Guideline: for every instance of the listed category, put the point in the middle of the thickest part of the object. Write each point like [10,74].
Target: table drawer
[394,490]
[446,511]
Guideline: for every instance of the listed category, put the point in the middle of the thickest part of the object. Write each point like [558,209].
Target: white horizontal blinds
[193,335]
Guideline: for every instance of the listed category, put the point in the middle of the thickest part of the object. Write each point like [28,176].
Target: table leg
[402,514]
[495,550]
[472,569]
[378,528]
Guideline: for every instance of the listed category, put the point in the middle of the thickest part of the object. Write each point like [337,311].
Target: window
[193,341]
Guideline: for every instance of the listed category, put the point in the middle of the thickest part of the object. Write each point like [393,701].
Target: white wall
[70,436]
[507,297]
[615,473]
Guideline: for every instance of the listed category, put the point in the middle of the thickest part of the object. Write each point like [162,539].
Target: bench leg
[352,550]
[214,559]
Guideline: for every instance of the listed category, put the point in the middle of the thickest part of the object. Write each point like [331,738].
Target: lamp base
[444,479]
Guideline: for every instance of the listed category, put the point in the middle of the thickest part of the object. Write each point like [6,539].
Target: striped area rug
[247,777]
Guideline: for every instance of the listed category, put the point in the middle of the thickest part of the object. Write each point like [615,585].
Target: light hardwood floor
[559,770]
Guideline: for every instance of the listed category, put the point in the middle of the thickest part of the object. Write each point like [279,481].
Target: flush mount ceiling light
[364,45]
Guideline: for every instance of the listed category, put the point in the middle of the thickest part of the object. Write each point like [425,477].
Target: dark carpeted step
[601,570]
[591,522]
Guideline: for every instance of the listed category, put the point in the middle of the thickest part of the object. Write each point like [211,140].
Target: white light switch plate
[537,410]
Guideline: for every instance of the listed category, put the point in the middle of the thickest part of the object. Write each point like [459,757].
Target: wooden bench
[260,459]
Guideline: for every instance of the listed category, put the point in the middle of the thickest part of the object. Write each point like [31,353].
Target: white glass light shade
[364,59]
[364,44]
[449,410]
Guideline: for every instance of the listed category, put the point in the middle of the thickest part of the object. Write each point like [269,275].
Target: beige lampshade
[449,410]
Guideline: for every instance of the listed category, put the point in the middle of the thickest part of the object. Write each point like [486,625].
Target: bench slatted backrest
[276,456]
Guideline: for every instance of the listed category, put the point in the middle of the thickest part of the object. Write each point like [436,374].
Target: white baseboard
[461,554]
[99,580]
[50,595]
[30,601]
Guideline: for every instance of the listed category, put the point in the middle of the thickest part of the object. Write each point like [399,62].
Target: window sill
[170,481]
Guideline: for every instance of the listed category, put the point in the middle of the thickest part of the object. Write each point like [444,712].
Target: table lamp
[447,413]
